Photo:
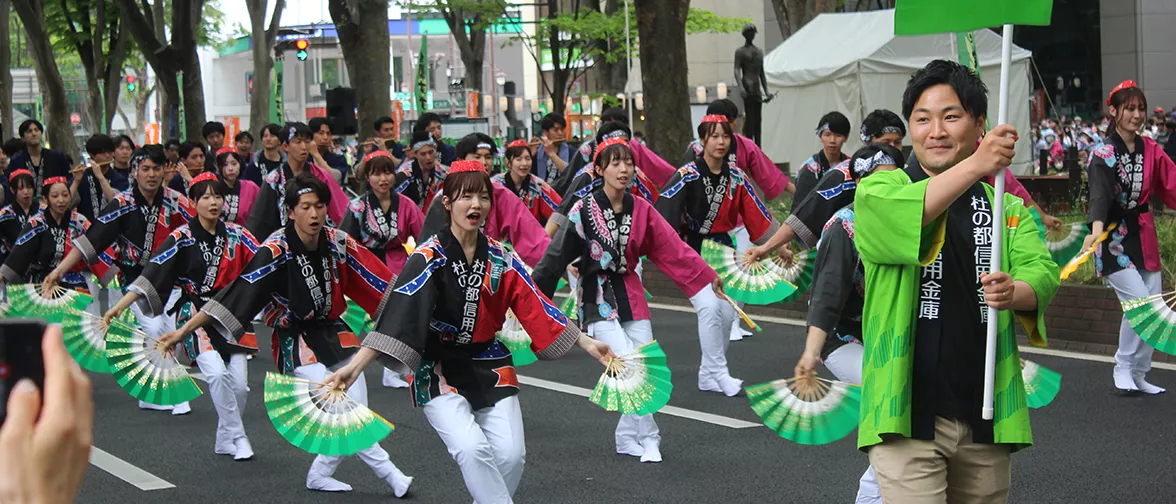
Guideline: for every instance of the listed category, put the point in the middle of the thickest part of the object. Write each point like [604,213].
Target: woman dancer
[705,200]
[300,276]
[439,322]
[15,214]
[1124,174]
[609,231]
[379,219]
[536,193]
[201,260]
[239,193]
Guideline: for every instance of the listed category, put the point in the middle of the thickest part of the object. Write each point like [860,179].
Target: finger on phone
[58,373]
[24,404]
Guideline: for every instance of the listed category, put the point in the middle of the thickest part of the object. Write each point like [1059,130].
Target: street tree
[6,126]
[469,21]
[263,59]
[792,15]
[363,35]
[92,30]
[173,58]
[58,130]
[662,27]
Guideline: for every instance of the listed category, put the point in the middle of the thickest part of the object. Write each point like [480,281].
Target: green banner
[421,90]
[276,93]
[921,17]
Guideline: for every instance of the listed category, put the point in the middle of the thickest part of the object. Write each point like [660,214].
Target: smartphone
[20,356]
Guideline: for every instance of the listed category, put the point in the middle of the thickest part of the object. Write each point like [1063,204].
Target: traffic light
[130,83]
[301,45]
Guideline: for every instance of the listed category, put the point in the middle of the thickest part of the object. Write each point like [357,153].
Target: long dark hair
[1123,97]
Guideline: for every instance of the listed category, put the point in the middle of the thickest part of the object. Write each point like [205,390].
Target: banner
[232,127]
[397,116]
[422,78]
[151,133]
[472,104]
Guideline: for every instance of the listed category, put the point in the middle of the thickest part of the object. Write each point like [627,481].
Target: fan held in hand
[143,369]
[807,410]
[321,419]
[637,383]
[1041,384]
[757,283]
[1153,320]
[515,339]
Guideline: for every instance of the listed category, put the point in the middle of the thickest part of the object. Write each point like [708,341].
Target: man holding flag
[924,235]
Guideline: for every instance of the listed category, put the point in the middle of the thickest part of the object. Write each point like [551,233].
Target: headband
[424,143]
[517,143]
[715,118]
[375,154]
[225,150]
[293,132]
[304,190]
[465,165]
[1127,84]
[486,146]
[823,128]
[203,177]
[12,176]
[863,166]
[606,144]
[866,136]
[617,133]
[55,180]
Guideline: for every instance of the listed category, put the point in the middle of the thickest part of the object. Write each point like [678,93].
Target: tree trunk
[611,77]
[147,30]
[263,61]
[667,112]
[6,126]
[471,46]
[117,57]
[559,71]
[185,14]
[363,36]
[140,99]
[58,132]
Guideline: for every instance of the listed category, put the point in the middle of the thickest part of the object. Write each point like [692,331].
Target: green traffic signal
[130,86]
[301,55]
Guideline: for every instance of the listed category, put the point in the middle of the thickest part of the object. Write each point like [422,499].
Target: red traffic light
[130,79]
[301,44]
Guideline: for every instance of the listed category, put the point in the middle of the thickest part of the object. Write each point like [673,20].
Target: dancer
[240,193]
[656,168]
[15,214]
[420,178]
[835,309]
[610,230]
[96,186]
[382,220]
[832,131]
[201,260]
[299,276]
[1124,174]
[746,154]
[705,200]
[193,161]
[508,220]
[439,321]
[269,213]
[536,194]
[136,222]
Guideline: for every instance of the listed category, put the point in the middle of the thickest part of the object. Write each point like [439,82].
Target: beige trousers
[949,469]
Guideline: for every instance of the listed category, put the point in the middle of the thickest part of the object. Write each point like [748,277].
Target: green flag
[921,17]
[422,77]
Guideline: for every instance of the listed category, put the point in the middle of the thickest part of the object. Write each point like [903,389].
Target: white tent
[853,63]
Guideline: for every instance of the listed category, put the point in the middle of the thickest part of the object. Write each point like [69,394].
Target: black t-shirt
[950,329]
[268,166]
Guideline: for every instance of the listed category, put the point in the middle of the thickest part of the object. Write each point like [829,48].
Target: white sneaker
[632,448]
[244,451]
[181,409]
[392,379]
[651,451]
[325,483]
[399,483]
[154,407]
[224,447]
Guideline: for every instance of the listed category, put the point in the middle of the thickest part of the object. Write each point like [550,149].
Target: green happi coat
[894,246]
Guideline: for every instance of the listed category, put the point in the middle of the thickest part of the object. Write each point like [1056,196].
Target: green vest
[894,245]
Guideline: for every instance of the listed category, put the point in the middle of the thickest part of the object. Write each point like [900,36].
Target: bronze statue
[753,85]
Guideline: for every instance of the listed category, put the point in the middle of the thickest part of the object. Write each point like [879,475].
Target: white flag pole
[1002,117]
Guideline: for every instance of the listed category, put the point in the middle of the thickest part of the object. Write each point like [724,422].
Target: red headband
[465,165]
[715,118]
[203,177]
[22,171]
[517,143]
[1127,84]
[55,180]
[375,154]
[225,150]
[609,143]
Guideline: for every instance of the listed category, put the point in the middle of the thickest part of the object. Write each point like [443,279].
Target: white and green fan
[515,339]
[807,410]
[320,419]
[143,369]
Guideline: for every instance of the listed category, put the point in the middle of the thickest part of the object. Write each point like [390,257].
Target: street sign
[75,119]
[440,104]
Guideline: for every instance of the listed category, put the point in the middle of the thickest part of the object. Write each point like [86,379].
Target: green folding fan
[798,271]
[757,283]
[28,301]
[357,320]
[320,419]
[807,410]
[1153,320]
[144,370]
[1041,384]
[515,339]
[85,338]
[637,383]
[1063,243]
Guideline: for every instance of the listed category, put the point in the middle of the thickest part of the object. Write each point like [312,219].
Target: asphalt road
[1092,444]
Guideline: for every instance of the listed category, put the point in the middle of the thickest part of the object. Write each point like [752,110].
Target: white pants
[159,325]
[714,332]
[624,338]
[226,387]
[375,457]
[742,243]
[1134,355]
[846,364]
[487,444]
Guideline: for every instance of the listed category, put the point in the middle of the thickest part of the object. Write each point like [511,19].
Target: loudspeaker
[341,111]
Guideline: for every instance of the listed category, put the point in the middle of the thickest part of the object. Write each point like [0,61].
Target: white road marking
[123,470]
[710,418]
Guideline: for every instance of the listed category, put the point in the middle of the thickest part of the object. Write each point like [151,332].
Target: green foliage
[704,21]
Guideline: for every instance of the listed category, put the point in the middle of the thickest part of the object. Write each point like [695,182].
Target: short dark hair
[425,120]
[221,159]
[294,130]
[613,129]
[638,134]
[121,139]
[171,142]
[514,152]
[875,124]
[243,135]
[24,179]
[972,92]
[25,124]
[724,107]
[99,144]
[606,157]
[870,150]
[13,146]
[189,146]
[552,120]
[275,130]
[469,144]
[382,121]
[303,181]
[836,121]
[316,123]
[457,184]
[149,152]
[705,130]
[211,127]
[614,114]
[379,164]
[1170,124]
[201,188]
[419,136]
